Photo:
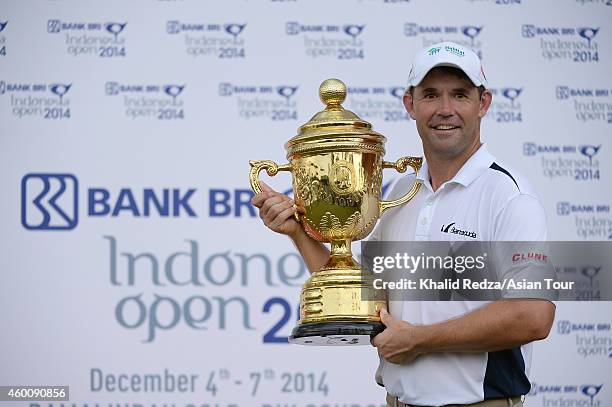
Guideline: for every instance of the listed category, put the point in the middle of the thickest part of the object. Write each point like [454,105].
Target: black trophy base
[335,333]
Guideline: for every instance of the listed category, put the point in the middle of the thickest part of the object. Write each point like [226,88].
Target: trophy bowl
[337,161]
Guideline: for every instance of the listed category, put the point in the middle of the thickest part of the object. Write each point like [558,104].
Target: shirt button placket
[424,219]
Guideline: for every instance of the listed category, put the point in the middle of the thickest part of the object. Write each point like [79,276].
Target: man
[459,352]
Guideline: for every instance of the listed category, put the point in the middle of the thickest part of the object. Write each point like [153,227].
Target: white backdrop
[126,133]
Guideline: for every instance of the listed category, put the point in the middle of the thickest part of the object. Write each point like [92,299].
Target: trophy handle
[400,166]
[271,168]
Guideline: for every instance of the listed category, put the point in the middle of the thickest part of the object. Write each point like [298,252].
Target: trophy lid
[335,128]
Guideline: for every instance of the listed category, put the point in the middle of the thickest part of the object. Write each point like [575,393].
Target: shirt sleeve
[522,219]
[522,262]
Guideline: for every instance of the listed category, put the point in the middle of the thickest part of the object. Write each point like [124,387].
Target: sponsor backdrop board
[133,268]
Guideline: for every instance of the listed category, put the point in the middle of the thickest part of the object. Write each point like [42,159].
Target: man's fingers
[266,192]
[282,217]
[374,342]
[260,198]
[385,317]
[275,210]
[269,203]
[265,187]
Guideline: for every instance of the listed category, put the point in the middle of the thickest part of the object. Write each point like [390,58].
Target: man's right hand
[277,211]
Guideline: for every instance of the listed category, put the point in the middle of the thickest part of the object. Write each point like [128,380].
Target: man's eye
[429,96]
[460,95]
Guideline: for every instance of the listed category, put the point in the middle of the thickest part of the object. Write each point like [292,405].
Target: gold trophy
[337,161]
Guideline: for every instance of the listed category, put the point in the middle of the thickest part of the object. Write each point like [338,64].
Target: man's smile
[445,127]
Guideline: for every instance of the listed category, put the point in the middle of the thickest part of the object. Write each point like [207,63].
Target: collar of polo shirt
[478,163]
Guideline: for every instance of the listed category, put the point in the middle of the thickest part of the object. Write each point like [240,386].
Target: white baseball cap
[447,54]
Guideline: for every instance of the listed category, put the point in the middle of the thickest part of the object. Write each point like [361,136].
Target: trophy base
[335,333]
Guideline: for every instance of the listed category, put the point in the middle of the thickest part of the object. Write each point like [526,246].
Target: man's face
[447,109]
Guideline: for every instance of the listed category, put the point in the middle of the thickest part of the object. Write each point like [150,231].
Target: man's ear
[485,102]
[409,104]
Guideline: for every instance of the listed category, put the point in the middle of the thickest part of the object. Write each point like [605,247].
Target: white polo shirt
[486,201]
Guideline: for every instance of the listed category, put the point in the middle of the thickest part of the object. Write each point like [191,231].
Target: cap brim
[419,78]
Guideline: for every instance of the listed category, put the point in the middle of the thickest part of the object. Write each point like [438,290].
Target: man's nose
[445,107]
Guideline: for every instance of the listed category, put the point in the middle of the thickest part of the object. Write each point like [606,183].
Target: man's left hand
[398,342]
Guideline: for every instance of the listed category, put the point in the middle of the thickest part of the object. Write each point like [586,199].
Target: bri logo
[176,27]
[531,31]
[295,28]
[564,327]
[565,92]
[589,151]
[588,390]
[451,229]
[55,26]
[565,208]
[285,91]
[49,201]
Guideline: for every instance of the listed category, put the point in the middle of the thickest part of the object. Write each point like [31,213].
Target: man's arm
[315,255]
[498,325]
[277,210]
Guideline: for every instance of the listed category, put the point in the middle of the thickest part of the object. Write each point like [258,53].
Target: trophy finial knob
[332,92]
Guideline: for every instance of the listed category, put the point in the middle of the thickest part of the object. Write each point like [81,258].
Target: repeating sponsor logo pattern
[162,102]
[343,42]
[589,104]
[37,100]
[103,40]
[591,221]
[589,339]
[506,105]
[576,44]
[467,35]
[378,103]
[574,162]
[276,103]
[206,39]
[587,395]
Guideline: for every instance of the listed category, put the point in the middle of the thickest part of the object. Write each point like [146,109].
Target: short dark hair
[455,72]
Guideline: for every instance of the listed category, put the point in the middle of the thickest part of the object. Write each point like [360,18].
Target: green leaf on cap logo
[433,51]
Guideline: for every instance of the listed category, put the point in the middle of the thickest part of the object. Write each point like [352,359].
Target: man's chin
[448,146]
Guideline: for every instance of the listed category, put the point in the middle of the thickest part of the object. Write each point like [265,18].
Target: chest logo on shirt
[450,228]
